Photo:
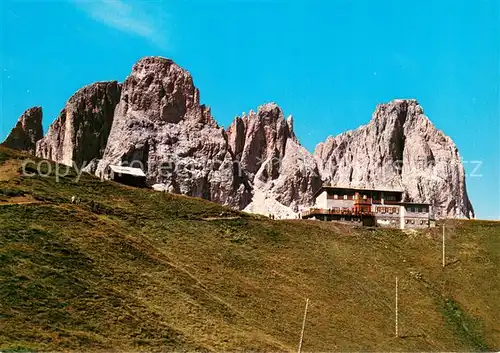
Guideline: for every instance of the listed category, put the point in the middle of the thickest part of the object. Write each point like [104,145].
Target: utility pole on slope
[444,256]
[303,326]
[397,332]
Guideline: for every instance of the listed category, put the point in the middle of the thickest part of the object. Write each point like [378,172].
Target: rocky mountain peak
[282,173]
[161,91]
[80,132]
[160,126]
[259,136]
[399,148]
[27,131]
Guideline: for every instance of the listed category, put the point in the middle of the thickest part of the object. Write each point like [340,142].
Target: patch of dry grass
[139,270]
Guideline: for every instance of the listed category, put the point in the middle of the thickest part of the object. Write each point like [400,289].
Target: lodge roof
[127,170]
[337,187]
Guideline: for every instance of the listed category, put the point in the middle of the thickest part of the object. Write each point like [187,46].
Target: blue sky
[327,63]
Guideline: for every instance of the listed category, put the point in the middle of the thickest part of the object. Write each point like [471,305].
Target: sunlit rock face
[160,125]
[277,166]
[80,132]
[399,148]
[27,132]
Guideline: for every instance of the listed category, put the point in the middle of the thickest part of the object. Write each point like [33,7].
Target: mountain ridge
[157,119]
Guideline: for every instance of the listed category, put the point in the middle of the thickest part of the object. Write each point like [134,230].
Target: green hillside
[138,270]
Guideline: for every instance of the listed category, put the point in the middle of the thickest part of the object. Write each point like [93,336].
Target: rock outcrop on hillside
[155,120]
[80,132]
[399,149]
[277,166]
[27,131]
[160,126]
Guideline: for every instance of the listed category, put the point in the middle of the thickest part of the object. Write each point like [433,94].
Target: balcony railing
[335,212]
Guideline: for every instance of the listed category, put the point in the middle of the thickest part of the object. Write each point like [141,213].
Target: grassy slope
[142,270]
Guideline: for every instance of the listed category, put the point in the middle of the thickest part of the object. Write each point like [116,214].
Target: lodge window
[425,210]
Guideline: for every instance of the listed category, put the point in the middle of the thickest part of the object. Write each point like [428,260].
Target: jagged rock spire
[27,131]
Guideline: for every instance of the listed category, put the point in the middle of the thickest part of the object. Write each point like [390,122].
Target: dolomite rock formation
[155,120]
[80,132]
[27,131]
[399,149]
[277,166]
[160,126]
